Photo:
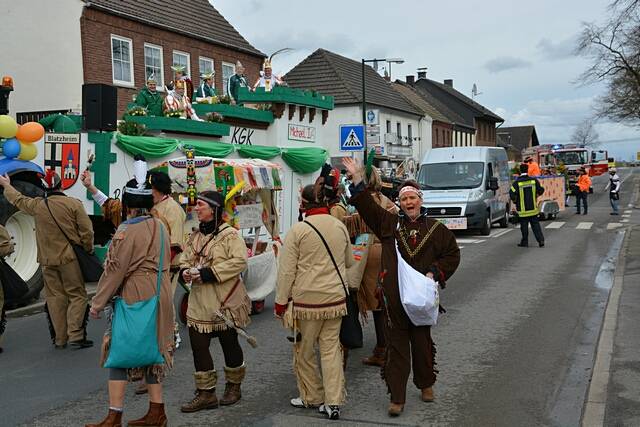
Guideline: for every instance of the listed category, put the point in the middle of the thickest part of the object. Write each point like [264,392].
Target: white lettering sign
[250,216]
[302,133]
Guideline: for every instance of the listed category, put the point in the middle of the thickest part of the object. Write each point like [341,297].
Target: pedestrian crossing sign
[352,137]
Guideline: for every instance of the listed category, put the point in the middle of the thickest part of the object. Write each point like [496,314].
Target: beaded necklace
[403,239]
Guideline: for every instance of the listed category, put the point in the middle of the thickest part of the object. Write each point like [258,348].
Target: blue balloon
[11,148]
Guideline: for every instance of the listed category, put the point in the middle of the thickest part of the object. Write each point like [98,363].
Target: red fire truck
[568,158]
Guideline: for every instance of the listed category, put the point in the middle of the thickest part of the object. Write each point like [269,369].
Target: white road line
[626,215]
[628,211]
[624,220]
[501,232]
[460,247]
[555,224]
[613,225]
[469,240]
[584,226]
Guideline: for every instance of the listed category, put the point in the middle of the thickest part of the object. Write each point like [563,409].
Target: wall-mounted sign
[302,133]
[373,117]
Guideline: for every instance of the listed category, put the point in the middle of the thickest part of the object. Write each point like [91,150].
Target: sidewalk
[623,390]
[38,306]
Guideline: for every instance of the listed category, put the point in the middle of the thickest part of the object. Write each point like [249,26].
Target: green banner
[301,160]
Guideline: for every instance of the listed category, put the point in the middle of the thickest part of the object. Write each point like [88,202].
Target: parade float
[283,126]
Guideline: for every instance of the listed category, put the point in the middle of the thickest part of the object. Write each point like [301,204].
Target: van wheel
[486,228]
[504,221]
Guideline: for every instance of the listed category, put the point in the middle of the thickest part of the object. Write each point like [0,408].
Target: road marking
[460,247]
[501,233]
[613,225]
[626,215]
[628,211]
[624,220]
[584,226]
[555,224]
[460,240]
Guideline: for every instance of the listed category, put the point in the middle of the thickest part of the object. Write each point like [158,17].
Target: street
[516,346]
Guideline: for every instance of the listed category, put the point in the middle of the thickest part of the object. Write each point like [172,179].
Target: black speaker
[99,106]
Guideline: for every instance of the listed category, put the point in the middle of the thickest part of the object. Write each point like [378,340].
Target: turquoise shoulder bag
[134,328]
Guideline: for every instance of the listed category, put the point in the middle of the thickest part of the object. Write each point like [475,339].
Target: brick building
[116,42]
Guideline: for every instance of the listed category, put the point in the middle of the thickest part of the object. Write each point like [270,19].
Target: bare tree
[614,49]
[585,133]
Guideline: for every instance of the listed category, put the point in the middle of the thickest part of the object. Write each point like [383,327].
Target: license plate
[454,223]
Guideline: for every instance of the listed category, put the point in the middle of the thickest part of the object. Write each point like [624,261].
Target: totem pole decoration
[192,193]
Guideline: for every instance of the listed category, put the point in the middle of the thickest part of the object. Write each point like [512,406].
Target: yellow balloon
[8,127]
[28,151]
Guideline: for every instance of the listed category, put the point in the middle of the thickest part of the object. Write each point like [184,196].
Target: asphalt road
[516,346]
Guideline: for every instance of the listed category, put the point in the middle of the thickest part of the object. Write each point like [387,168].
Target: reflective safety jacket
[524,192]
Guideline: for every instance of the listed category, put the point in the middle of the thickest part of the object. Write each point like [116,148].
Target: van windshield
[442,176]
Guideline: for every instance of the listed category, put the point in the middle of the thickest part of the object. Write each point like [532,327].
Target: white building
[398,131]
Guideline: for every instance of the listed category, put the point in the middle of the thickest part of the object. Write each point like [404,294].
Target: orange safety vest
[584,183]
[534,169]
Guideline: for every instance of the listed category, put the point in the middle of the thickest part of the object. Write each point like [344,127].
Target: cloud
[557,50]
[503,63]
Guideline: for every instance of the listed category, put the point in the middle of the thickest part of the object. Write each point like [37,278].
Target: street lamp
[364,102]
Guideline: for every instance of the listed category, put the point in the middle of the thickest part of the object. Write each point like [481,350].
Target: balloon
[30,132]
[11,148]
[28,151]
[8,127]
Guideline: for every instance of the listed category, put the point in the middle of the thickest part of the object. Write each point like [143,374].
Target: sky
[521,55]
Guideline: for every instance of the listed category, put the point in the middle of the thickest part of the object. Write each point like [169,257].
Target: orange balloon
[30,132]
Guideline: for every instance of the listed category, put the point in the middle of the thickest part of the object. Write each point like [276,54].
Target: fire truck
[568,158]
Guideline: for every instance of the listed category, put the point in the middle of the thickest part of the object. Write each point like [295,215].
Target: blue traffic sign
[352,137]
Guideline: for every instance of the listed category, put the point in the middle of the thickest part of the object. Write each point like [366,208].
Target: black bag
[13,286]
[90,265]
[351,329]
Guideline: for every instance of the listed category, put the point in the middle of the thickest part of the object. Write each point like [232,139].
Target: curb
[38,307]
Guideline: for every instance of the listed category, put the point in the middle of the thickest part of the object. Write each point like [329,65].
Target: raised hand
[354,168]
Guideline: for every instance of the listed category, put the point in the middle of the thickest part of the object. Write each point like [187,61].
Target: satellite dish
[474,91]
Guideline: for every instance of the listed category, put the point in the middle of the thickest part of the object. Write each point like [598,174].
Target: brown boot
[155,416]
[204,399]
[427,394]
[114,419]
[205,392]
[395,409]
[234,377]
[376,359]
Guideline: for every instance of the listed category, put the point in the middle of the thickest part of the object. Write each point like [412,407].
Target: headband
[410,189]
[209,201]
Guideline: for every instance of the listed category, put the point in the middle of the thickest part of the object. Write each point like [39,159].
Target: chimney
[410,80]
[387,78]
[448,82]
[422,75]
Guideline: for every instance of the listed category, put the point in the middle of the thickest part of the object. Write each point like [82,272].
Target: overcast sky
[519,54]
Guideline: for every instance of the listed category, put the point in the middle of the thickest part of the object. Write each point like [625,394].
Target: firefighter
[582,190]
[524,193]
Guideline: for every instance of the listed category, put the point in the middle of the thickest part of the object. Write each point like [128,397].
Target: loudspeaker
[99,106]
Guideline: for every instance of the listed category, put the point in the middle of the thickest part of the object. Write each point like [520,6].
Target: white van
[466,187]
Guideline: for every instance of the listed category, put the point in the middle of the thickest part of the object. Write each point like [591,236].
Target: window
[399,129]
[122,60]
[410,132]
[182,58]
[228,70]
[205,65]
[388,126]
[153,64]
